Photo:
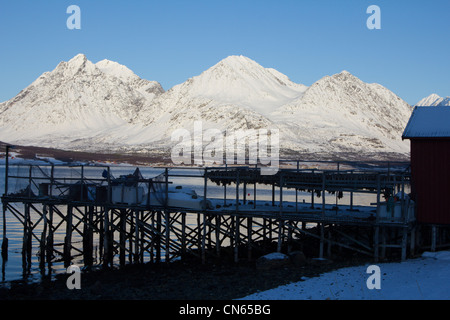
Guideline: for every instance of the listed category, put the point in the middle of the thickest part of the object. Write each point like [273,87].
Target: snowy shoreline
[423,278]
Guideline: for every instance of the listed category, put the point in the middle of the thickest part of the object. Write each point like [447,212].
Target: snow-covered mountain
[78,100]
[342,113]
[434,100]
[105,106]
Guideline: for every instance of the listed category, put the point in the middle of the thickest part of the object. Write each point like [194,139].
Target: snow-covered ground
[424,278]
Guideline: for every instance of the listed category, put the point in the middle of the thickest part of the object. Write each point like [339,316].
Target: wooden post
[150,181]
[296,190]
[249,237]
[218,244]
[280,235]
[205,188]
[403,211]
[106,238]
[6,169]
[289,229]
[5,239]
[49,247]
[130,235]
[166,175]
[237,190]
[254,195]
[312,194]
[244,191]
[30,180]
[167,235]
[154,236]
[158,236]
[329,242]
[122,235]
[264,231]
[322,237]
[351,200]
[183,234]
[204,239]
[281,194]
[323,195]
[232,231]
[225,186]
[82,184]
[273,195]
[378,197]
[137,239]
[43,237]
[101,236]
[68,238]
[199,234]
[26,245]
[237,241]
[88,240]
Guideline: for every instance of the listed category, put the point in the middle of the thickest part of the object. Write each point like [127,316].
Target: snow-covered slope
[236,93]
[424,278]
[342,113]
[105,106]
[434,100]
[78,100]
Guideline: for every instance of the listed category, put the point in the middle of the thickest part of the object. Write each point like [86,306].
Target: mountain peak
[235,63]
[239,80]
[434,100]
[344,72]
[78,60]
[344,75]
[75,65]
[80,56]
[116,69]
[237,59]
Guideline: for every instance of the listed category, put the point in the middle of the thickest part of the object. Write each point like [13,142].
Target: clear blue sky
[171,41]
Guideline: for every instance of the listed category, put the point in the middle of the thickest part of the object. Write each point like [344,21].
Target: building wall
[430,169]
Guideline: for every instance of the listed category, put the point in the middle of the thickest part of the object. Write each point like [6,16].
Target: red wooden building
[428,130]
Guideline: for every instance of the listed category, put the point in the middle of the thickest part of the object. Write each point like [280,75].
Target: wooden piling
[50,237]
[122,236]
[237,235]
[68,237]
[43,240]
[249,237]
[88,236]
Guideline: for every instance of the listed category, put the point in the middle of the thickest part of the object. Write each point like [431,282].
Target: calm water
[14,269]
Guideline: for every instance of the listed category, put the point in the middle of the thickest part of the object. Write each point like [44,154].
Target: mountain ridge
[105,106]
[434,100]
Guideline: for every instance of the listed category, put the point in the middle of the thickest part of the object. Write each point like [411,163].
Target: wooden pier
[69,211]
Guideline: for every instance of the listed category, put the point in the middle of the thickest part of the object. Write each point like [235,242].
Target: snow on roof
[428,122]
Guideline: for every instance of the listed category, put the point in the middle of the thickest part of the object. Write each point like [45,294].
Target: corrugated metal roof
[428,122]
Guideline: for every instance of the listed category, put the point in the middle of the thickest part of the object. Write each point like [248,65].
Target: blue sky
[171,41]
